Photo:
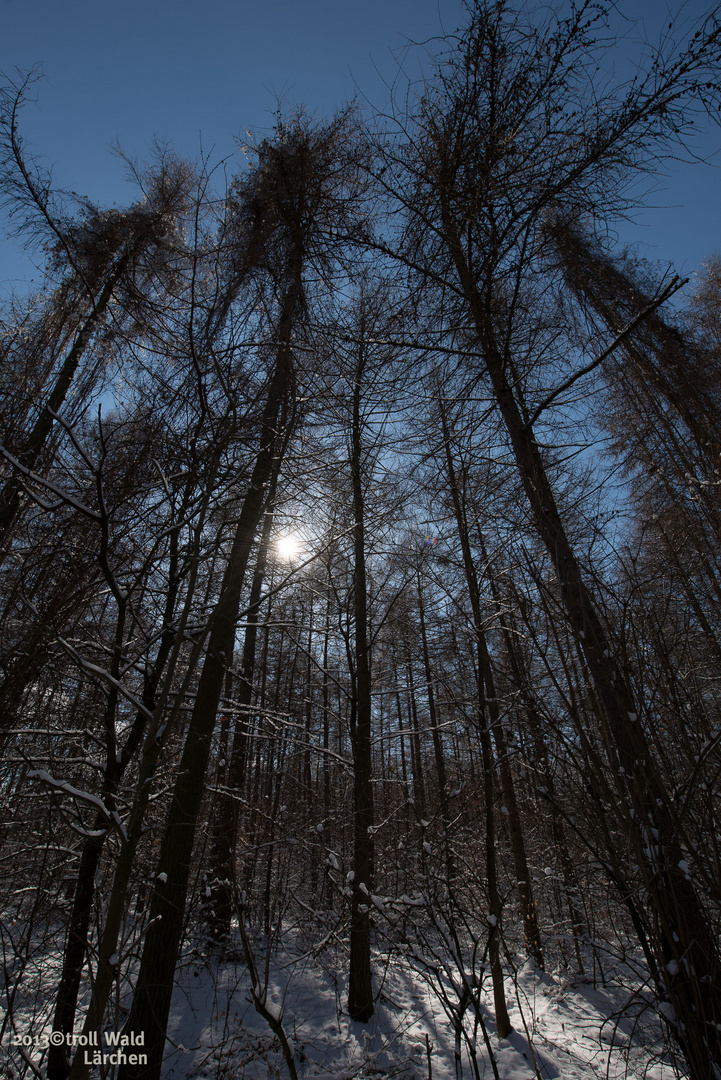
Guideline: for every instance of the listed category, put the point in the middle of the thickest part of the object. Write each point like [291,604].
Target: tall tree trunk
[437,741]
[360,988]
[529,916]
[503,1020]
[179,835]
[529,912]
[151,1004]
[687,951]
[105,971]
[226,819]
[401,731]
[419,790]
[77,939]
[522,684]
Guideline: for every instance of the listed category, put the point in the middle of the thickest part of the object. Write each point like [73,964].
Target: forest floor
[563,1027]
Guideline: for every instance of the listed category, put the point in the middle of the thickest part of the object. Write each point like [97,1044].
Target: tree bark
[437,741]
[360,988]
[226,819]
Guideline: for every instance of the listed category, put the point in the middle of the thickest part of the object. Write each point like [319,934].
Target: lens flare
[287,546]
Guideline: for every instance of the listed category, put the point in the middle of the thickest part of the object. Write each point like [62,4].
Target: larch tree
[108,263]
[513,126]
[301,189]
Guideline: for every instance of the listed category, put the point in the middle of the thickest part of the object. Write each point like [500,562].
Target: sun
[287,546]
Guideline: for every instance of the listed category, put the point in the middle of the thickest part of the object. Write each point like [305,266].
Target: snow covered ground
[562,1028]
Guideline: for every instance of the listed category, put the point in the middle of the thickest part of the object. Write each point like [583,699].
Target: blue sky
[202,72]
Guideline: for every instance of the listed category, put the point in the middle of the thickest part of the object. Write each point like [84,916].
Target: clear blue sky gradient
[202,72]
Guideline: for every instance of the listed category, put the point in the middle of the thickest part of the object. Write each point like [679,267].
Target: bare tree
[512,128]
[108,260]
[299,186]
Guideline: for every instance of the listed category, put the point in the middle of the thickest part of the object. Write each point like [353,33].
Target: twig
[260,996]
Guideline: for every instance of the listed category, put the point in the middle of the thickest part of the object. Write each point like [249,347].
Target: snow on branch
[64,496]
[84,796]
[103,673]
